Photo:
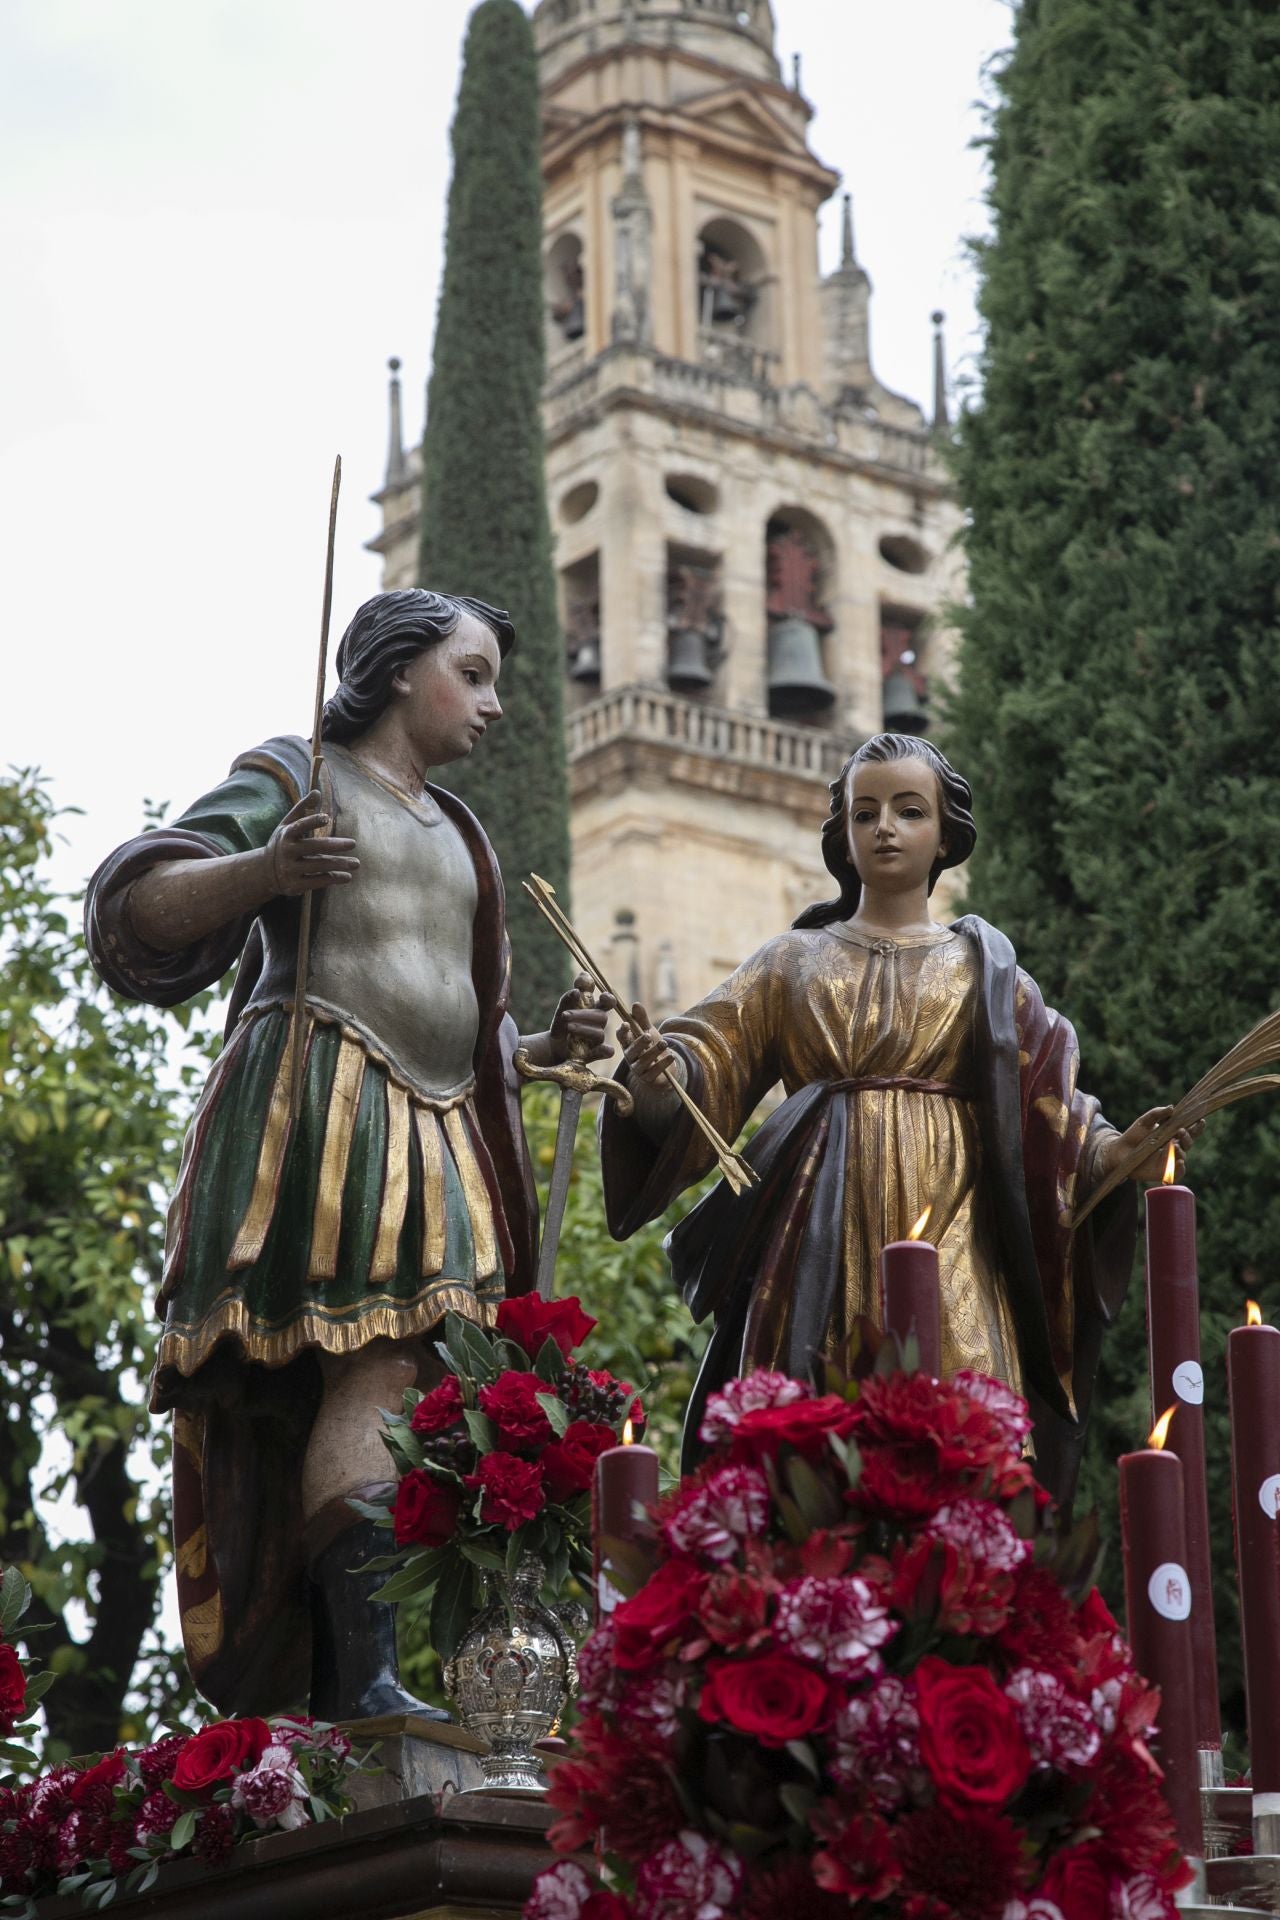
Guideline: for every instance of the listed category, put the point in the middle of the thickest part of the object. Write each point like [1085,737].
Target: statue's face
[895,824]
[448,696]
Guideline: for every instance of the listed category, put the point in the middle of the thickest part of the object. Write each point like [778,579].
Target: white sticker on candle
[1269,1495]
[1169,1591]
[607,1595]
[1188,1382]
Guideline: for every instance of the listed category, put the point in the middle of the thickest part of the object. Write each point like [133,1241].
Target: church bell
[585,665]
[904,711]
[797,683]
[688,661]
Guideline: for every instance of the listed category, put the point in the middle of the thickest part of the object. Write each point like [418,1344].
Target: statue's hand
[296,863]
[577,1030]
[578,1025]
[647,1054]
[1151,1171]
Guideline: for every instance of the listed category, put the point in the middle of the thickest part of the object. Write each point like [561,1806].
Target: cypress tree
[484,519]
[1118,708]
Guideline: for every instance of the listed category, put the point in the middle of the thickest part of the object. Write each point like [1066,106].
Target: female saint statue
[921,1067]
[308,1260]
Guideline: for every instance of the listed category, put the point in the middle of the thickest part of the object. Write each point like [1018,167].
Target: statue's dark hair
[955,800]
[388,632]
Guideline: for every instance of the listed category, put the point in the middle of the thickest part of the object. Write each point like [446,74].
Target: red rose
[13,1688]
[970,1739]
[426,1510]
[1078,1883]
[803,1424]
[215,1753]
[95,1783]
[769,1695]
[530,1321]
[569,1463]
[439,1409]
[645,1624]
[511,1402]
[511,1490]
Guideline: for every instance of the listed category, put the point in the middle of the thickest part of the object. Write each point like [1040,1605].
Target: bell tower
[752,534]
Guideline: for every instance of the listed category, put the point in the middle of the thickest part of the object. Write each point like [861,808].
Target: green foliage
[1118,708]
[90,1128]
[484,521]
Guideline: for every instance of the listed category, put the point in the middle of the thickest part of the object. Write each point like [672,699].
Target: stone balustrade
[745,398]
[669,719]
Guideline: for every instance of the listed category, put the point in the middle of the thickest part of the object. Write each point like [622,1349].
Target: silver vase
[513,1675]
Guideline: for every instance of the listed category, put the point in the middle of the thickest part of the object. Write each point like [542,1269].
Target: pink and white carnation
[1059,1731]
[1036,1908]
[273,1792]
[599,1679]
[1141,1898]
[876,1743]
[836,1624]
[655,1702]
[981,1530]
[559,1893]
[1104,1704]
[691,1878]
[751,1395]
[1008,1407]
[728,1508]
[155,1818]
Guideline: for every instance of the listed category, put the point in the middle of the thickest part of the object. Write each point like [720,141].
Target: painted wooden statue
[307,1263]
[921,1067]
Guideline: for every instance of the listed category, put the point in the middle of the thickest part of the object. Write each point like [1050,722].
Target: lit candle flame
[1252,1314]
[628,1434]
[1171,1165]
[1160,1432]
[921,1223]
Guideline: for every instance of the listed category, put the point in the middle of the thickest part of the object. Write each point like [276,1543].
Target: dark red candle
[1173,1338]
[1159,1603]
[626,1484]
[909,1295]
[1253,1381]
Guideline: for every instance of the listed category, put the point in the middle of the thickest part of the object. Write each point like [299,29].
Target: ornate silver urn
[514,1673]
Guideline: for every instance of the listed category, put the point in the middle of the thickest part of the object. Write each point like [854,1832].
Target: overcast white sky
[218,218]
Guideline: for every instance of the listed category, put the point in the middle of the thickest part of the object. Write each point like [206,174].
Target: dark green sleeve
[240,815]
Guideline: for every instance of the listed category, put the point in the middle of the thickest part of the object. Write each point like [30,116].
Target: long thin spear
[298,1021]
[739,1173]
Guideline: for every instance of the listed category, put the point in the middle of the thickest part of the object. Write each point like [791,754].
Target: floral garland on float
[862,1667]
[87,1826]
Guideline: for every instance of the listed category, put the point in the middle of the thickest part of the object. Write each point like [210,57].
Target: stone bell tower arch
[753,536]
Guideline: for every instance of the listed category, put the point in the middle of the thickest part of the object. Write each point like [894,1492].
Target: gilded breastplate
[391,950]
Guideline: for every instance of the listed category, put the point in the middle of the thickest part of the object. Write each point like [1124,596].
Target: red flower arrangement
[85,1829]
[867,1669]
[497,1461]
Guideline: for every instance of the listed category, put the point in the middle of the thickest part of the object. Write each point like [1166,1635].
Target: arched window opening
[735,322]
[799,569]
[580,612]
[565,288]
[906,685]
[695,620]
